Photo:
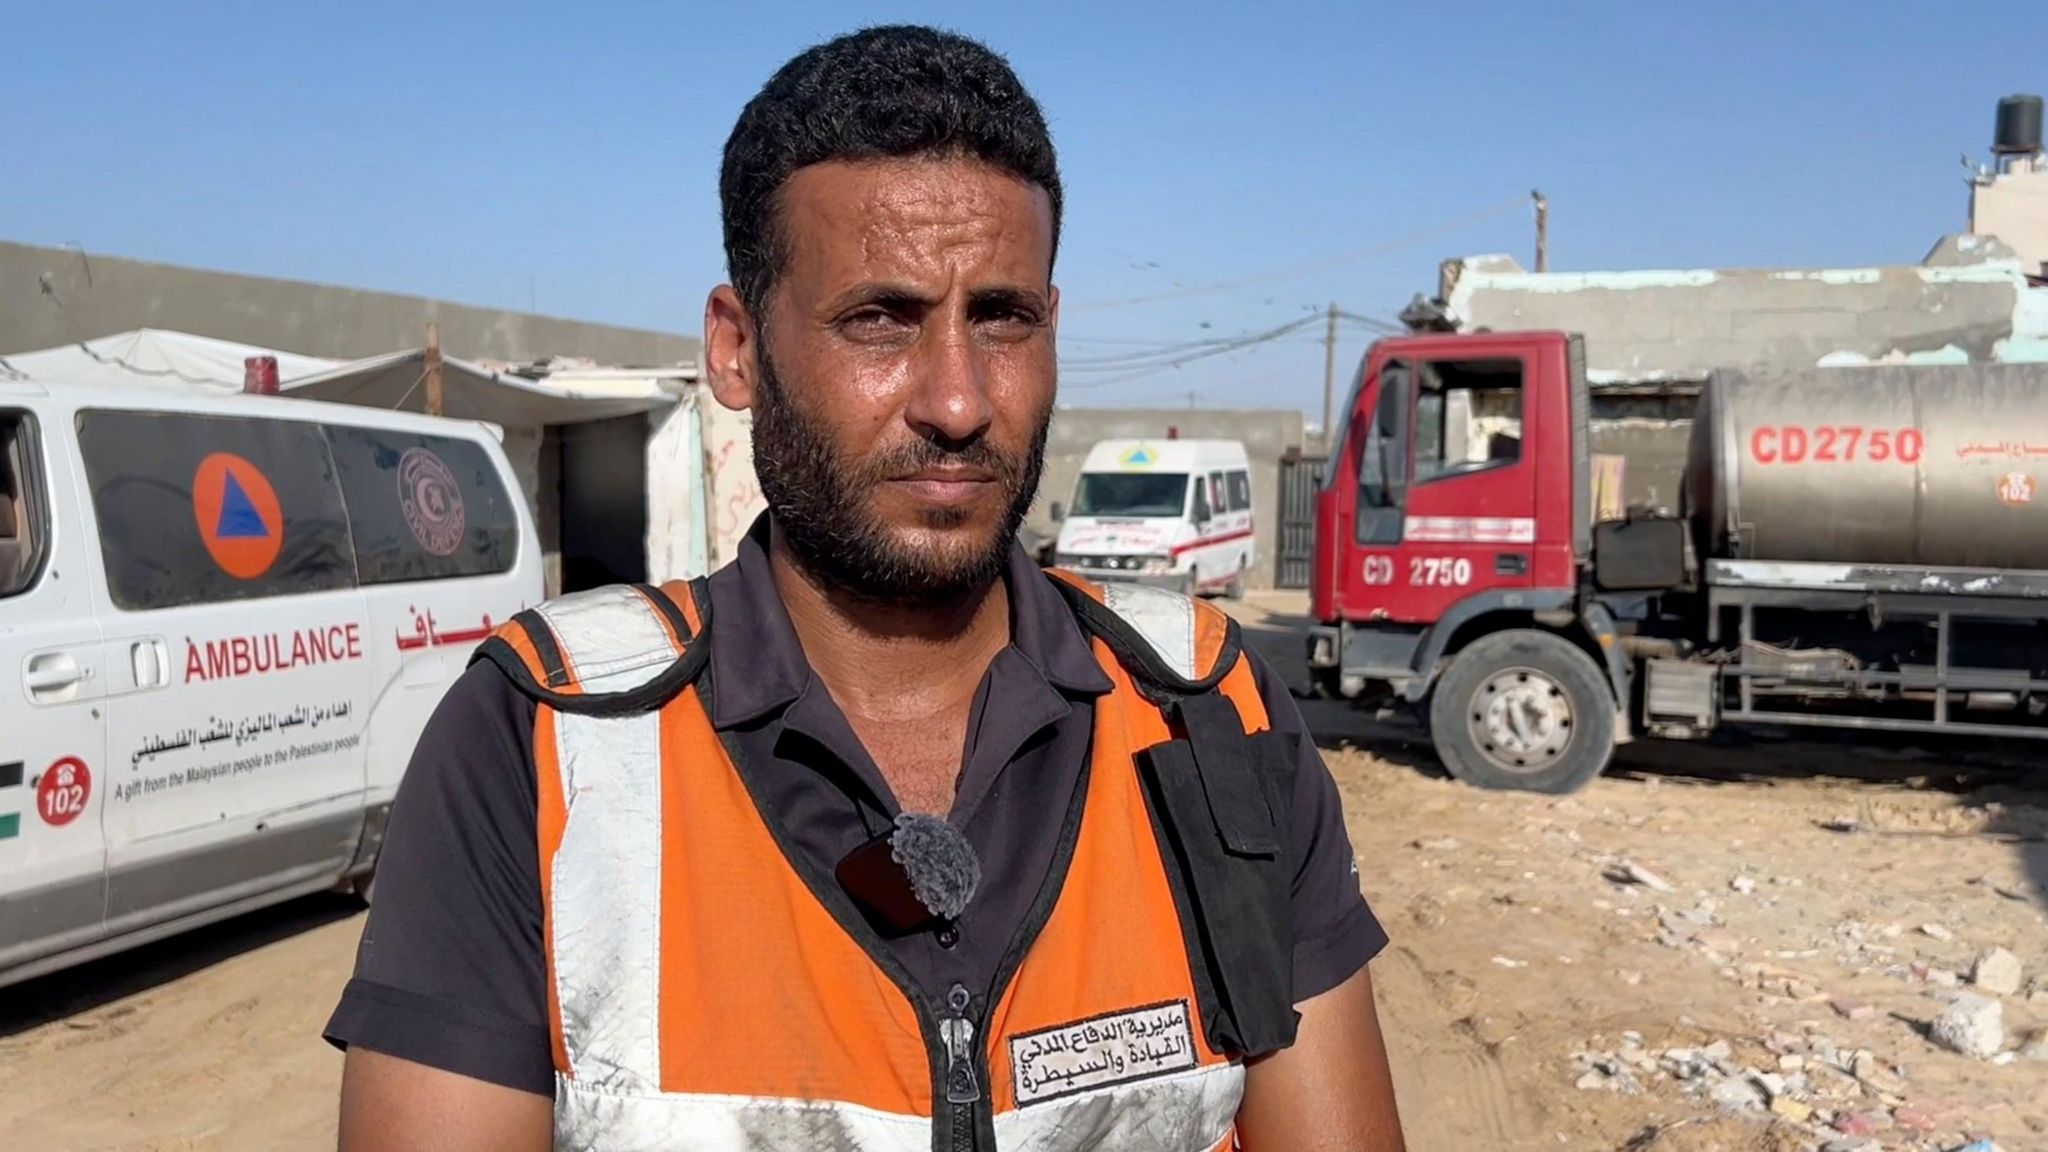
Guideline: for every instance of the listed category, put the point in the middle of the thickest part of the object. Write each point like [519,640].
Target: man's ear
[732,349]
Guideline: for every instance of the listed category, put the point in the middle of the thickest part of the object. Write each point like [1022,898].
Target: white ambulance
[223,622]
[1171,513]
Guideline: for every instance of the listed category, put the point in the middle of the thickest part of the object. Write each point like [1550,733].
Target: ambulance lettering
[235,656]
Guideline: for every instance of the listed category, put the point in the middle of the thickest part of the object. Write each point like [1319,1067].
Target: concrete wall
[2013,206]
[1969,301]
[1653,336]
[1267,435]
[53,296]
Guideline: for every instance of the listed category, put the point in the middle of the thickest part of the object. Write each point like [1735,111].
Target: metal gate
[1299,477]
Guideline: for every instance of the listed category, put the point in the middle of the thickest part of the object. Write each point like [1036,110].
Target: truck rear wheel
[1523,710]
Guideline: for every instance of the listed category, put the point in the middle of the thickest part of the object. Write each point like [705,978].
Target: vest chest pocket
[1224,801]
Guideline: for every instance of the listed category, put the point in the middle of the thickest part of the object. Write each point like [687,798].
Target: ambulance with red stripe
[224,620]
[1169,513]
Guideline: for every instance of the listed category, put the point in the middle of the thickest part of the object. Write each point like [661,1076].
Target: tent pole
[433,359]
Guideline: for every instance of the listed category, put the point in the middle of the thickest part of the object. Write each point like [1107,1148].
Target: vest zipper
[963,1087]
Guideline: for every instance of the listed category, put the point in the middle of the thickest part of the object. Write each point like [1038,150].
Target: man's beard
[822,505]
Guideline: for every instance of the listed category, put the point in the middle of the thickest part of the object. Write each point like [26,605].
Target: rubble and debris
[1630,872]
[2035,1046]
[1997,971]
[1971,1025]
[1850,1008]
[1937,932]
[1791,1109]
[1862,1123]
[1732,1095]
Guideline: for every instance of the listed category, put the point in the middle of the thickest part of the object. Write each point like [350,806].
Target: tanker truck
[1853,548]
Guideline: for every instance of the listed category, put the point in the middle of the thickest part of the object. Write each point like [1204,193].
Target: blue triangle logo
[239,519]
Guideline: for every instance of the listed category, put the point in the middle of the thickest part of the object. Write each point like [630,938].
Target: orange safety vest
[709,988]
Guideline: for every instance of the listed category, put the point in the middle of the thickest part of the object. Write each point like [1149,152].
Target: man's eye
[1011,319]
[871,321]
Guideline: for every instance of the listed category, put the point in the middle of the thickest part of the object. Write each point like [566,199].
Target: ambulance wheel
[1523,711]
[1236,588]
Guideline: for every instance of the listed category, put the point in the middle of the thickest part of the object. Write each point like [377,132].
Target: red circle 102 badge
[63,791]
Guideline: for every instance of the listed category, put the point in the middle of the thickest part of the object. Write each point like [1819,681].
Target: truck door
[53,770]
[1470,522]
[1446,497]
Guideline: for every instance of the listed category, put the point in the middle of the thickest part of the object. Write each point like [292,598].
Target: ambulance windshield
[1130,494]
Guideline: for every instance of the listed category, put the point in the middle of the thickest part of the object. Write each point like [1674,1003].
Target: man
[881,837]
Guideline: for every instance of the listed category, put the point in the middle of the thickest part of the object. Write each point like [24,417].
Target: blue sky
[566,154]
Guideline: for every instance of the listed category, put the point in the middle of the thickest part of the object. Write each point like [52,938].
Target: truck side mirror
[1058,511]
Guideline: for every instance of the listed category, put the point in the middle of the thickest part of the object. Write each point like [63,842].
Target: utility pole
[1329,370]
[1542,231]
[433,359]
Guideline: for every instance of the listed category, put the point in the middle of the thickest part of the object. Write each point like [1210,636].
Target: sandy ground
[1810,902]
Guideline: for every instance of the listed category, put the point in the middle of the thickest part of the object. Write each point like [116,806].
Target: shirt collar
[758,665]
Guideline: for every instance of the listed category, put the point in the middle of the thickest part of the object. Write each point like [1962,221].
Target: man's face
[906,373]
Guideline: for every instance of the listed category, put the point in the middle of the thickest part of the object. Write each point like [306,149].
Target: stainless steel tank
[1941,466]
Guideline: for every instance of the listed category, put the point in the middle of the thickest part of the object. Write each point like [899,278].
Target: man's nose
[951,403]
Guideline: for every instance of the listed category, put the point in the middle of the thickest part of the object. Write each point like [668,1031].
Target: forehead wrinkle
[915,218]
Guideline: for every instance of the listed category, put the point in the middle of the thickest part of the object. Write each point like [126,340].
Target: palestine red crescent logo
[238,516]
[431,500]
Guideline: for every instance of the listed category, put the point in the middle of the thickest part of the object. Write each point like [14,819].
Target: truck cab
[1456,508]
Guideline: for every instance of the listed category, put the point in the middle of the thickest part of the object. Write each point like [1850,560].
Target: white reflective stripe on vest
[590,1121]
[606,900]
[1189,1111]
[1165,619]
[612,637]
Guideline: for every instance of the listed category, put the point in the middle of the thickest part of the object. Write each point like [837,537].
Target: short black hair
[895,91]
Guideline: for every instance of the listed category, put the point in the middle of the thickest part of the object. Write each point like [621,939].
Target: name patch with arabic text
[1102,1051]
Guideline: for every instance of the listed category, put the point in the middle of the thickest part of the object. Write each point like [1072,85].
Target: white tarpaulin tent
[149,357]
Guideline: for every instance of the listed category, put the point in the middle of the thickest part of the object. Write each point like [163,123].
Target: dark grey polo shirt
[450,972]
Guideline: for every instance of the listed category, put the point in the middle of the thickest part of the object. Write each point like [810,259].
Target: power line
[1176,352]
[1141,368]
[1385,248]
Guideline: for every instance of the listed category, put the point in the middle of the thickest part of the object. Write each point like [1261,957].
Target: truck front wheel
[1525,711]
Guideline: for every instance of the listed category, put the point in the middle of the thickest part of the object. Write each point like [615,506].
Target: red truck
[1860,548]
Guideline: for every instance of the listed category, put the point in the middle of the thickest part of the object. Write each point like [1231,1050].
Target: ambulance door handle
[50,675]
[151,663]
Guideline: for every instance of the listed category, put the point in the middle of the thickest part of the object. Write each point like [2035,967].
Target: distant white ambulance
[223,622]
[1170,513]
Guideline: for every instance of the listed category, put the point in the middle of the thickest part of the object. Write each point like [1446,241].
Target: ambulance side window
[204,509]
[24,506]
[423,507]
[1240,485]
[1201,501]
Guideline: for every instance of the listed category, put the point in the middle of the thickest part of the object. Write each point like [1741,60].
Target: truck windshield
[1130,494]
